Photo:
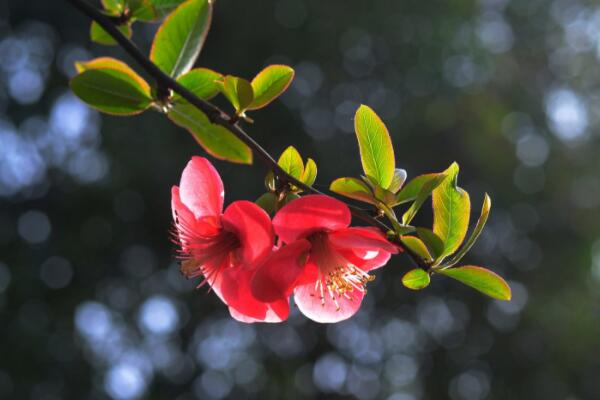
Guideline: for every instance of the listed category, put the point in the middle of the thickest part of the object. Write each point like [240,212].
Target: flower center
[337,277]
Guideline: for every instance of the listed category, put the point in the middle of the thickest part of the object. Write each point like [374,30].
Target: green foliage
[202,82]
[181,36]
[417,246]
[481,279]
[423,194]
[353,188]
[414,186]
[116,91]
[451,212]
[291,162]
[238,91]
[269,84]
[268,202]
[398,180]
[216,140]
[100,36]
[416,279]
[485,212]
[376,151]
[434,243]
[309,175]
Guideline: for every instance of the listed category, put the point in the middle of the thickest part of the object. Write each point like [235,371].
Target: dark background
[92,305]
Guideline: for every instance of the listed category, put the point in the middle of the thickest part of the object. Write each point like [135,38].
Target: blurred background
[92,305]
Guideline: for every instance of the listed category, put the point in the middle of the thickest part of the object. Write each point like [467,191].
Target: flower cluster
[255,264]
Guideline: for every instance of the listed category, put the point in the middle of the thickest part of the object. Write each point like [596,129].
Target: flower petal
[252,225]
[234,289]
[309,214]
[186,223]
[276,312]
[308,300]
[274,279]
[361,238]
[201,188]
[367,260]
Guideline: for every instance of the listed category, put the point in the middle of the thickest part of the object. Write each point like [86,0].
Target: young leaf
[216,140]
[238,91]
[481,279]
[398,180]
[269,84]
[354,189]
[416,279]
[291,162]
[164,7]
[417,246]
[203,82]
[424,192]
[267,202]
[99,35]
[112,90]
[451,211]
[432,241]
[112,63]
[413,188]
[485,212]
[376,151]
[310,172]
[181,36]
[114,7]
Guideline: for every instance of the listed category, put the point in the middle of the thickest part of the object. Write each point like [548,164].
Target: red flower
[325,263]
[223,247]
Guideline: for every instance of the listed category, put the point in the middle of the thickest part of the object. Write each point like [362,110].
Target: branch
[217,116]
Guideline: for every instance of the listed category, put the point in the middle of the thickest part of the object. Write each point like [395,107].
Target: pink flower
[325,263]
[223,247]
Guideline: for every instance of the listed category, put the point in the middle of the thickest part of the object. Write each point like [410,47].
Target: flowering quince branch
[308,250]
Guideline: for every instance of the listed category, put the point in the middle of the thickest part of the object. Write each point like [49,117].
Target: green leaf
[354,189]
[215,139]
[291,162]
[142,10]
[310,172]
[376,151]
[110,63]
[99,35]
[481,279]
[417,246]
[238,91]
[288,198]
[432,241]
[114,7]
[269,84]
[413,188]
[203,82]
[112,90]
[451,211]
[179,39]
[397,180]
[485,212]
[422,195]
[267,202]
[384,195]
[416,279]
[164,7]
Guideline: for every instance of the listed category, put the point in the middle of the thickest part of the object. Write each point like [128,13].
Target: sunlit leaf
[417,246]
[114,7]
[142,10]
[112,63]
[424,192]
[376,151]
[451,211]
[164,7]
[310,172]
[269,84]
[481,279]
[215,139]
[416,279]
[112,91]
[414,186]
[397,180]
[354,189]
[203,82]
[99,35]
[485,212]
[180,38]
[238,91]
[432,241]
[291,162]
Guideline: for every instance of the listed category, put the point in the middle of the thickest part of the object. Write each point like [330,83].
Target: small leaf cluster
[113,87]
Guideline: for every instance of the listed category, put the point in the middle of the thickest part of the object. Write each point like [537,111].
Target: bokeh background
[92,305]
